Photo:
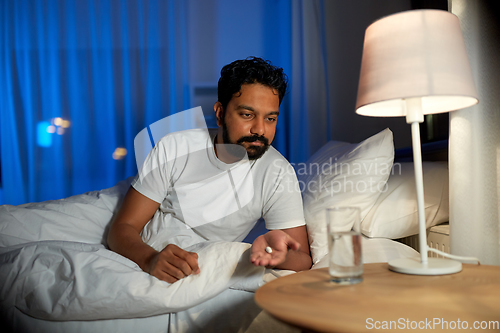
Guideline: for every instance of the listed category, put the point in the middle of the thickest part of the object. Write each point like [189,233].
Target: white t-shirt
[205,199]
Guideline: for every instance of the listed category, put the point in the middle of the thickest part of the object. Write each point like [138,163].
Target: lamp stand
[426,266]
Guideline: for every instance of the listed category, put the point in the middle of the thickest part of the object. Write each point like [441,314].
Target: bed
[57,274]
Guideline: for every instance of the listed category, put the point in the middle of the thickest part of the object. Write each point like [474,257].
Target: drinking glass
[344,244]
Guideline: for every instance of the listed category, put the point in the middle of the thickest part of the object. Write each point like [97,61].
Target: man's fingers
[166,277]
[174,271]
[166,272]
[191,258]
[267,262]
[260,262]
[179,263]
[267,259]
[182,265]
[196,268]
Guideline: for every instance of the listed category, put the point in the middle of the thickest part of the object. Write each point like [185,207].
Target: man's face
[249,119]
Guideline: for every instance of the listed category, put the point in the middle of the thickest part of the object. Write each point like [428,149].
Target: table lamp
[415,63]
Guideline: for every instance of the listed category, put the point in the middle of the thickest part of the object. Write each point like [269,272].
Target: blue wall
[84,77]
[94,73]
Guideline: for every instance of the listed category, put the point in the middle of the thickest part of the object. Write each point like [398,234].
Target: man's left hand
[279,241]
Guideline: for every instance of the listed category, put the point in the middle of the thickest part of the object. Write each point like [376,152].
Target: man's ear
[219,113]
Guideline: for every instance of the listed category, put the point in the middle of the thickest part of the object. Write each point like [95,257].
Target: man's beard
[253,152]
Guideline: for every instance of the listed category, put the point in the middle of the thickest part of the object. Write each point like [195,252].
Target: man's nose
[258,127]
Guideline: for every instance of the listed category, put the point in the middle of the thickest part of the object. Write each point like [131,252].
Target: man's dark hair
[247,71]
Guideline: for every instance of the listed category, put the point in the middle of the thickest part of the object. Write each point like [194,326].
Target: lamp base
[434,266]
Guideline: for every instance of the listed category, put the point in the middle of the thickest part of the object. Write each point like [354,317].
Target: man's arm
[171,264]
[290,249]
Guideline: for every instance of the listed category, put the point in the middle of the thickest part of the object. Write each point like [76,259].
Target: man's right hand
[173,264]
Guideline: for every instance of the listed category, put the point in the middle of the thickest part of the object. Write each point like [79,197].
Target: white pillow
[395,215]
[343,174]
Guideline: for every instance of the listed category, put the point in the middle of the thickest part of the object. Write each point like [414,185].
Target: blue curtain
[79,80]
[310,122]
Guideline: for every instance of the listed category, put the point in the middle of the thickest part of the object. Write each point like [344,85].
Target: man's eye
[246,115]
[271,119]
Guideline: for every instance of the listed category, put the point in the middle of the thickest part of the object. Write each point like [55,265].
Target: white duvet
[54,265]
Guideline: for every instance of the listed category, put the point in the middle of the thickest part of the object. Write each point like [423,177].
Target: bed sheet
[232,310]
[55,266]
[56,275]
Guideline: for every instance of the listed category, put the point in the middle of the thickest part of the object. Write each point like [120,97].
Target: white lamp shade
[418,53]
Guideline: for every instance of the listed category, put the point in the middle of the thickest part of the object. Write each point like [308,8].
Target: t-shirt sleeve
[153,179]
[284,208]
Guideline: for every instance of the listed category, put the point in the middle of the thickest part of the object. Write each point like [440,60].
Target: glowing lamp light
[57,121]
[59,125]
[119,153]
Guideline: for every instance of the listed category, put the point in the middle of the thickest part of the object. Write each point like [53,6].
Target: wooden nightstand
[386,300]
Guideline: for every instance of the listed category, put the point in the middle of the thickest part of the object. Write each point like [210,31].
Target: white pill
[269,250]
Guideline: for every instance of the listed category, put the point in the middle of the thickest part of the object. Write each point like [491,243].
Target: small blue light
[44,138]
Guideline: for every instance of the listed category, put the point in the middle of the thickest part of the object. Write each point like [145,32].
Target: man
[152,228]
